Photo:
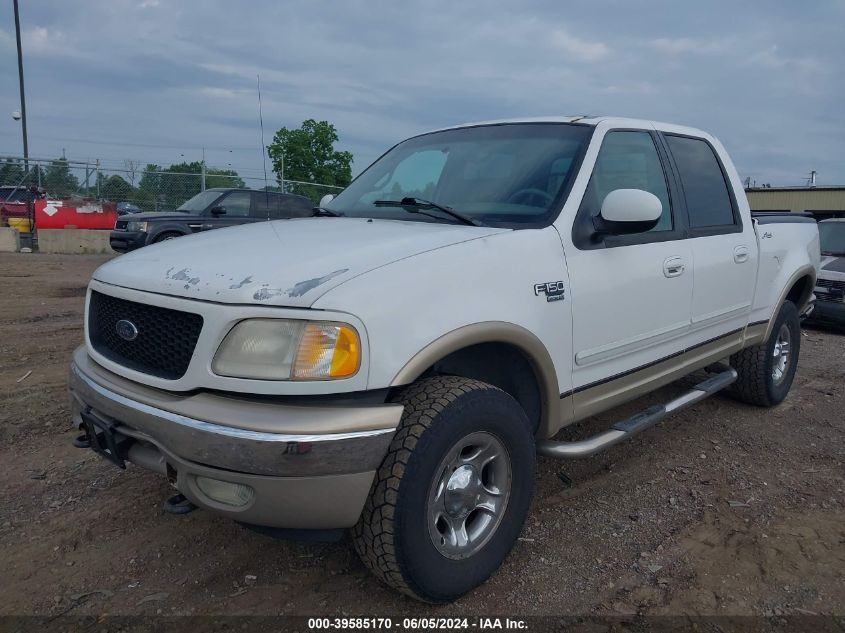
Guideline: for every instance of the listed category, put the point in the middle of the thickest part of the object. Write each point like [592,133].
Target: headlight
[136,226]
[288,349]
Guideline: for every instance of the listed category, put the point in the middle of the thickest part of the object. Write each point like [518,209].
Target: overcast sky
[155,79]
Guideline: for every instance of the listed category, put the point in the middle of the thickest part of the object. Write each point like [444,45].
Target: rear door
[631,295]
[724,249]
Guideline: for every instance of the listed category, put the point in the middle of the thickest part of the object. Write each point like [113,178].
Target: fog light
[225,492]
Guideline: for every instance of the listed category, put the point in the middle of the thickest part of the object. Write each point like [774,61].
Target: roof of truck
[586,119]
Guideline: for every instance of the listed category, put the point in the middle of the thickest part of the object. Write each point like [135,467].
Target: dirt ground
[723,509]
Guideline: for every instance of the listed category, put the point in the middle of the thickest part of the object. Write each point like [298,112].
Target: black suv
[210,209]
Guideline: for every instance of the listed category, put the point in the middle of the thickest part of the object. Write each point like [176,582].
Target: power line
[149,145]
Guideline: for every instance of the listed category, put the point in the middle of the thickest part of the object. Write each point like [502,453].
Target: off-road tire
[756,384]
[392,536]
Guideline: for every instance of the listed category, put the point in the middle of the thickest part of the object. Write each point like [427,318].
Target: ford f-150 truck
[393,364]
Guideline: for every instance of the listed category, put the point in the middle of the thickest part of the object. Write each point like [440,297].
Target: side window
[705,189]
[295,207]
[236,204]
[264,205]
[627,160]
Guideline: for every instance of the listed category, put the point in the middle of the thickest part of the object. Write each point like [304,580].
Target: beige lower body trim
[756,334]
[307,503]
[600,398]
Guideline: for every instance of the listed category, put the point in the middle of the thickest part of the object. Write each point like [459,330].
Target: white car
[393,364]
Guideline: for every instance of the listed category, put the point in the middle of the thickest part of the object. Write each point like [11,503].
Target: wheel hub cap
[463,492]
[780,355]
[469,495]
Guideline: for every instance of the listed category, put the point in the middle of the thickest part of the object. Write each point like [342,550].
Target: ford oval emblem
[126,330]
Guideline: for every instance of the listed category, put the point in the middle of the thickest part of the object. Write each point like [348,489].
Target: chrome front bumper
[311,466]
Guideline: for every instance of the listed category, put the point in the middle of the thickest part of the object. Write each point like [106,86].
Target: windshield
[832,236]
[503,175]
[199,202]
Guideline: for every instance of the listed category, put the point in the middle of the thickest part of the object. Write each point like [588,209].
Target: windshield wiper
[412,205]
[323,212]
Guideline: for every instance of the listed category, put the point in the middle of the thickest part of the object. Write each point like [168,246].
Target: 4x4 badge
[553,290]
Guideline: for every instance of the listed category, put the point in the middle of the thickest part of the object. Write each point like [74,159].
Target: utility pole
[20,79]
[202,184]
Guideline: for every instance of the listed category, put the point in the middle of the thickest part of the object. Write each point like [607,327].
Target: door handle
[741,254]
[673,267]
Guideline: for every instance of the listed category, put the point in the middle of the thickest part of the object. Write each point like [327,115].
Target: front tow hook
[178,504]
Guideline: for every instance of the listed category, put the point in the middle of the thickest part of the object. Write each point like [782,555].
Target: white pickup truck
[393,364]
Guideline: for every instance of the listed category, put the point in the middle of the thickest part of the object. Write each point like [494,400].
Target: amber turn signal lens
[327,350]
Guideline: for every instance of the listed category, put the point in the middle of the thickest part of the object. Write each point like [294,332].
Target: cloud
[214,91]
[681,45]
[41,40]
[771,57]
[149,76]
[581,49]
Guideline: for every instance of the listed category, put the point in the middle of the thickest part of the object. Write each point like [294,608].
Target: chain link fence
[133,186]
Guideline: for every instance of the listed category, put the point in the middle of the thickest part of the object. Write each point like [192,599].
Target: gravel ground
[723,509]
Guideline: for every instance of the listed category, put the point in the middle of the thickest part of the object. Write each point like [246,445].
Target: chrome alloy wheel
[469,495]
[781,354]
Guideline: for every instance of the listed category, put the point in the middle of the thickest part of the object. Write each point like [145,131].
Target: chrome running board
[636,423]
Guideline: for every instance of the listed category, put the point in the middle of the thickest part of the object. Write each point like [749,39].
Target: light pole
[20,78]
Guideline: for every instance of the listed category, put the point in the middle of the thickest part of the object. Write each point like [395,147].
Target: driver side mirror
[628,211]
[215,211]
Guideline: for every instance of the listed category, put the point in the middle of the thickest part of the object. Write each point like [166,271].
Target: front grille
[164,342]
[829,283]
[829,290]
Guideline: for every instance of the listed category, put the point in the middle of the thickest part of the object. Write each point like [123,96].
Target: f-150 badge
[553,290]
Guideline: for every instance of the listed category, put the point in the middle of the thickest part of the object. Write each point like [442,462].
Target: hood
[832,267]
[282,263]
[149,216]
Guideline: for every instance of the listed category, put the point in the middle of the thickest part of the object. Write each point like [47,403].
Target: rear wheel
[766,371]
[450,498]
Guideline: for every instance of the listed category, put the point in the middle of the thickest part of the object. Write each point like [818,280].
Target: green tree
[149,193]
[308,155]
[116,189]
[58,179]
[11,172]
[223,178]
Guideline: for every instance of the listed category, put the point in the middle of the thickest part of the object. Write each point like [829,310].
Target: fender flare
[167,228]
[804,271]
[495,332]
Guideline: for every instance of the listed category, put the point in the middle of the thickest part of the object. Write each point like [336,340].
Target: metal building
[822,202]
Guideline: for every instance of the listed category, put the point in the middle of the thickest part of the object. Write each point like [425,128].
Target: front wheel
[453,492]
[766,371]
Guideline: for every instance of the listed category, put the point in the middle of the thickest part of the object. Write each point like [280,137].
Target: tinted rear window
[706,192]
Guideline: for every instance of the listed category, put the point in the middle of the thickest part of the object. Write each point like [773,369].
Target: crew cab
[209,209]
[393,365]
[830,286]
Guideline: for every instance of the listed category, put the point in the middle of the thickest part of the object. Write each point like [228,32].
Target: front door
[237,206]
[631,295]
